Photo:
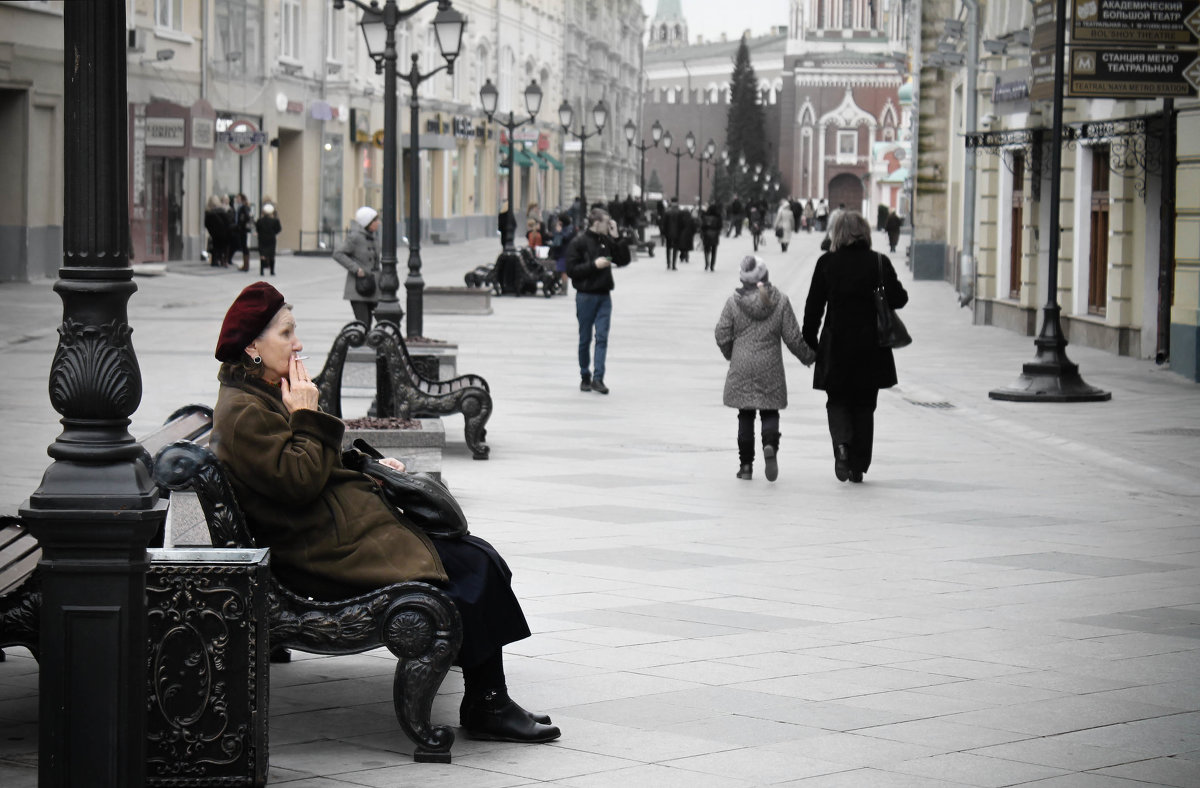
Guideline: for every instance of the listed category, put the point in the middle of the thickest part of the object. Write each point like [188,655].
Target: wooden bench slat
[20,571]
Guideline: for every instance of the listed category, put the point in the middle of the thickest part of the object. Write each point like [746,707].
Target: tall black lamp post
[690,142]
[656,134]
[489,97]
[379,30]
[705,156]
[566,113]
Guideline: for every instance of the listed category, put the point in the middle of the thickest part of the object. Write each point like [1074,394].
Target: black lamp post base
[1051,377]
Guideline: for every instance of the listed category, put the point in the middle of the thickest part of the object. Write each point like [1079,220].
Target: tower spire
[669,27]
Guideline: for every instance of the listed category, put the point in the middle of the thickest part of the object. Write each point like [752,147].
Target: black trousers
[770,432]
[852,422]
[363,311]
[481,587]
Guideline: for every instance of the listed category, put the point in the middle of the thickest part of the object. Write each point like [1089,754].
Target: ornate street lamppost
[690,142]
[704,157]
[489,97]
[97,506]
[656,135]
[566,114]
[379,30]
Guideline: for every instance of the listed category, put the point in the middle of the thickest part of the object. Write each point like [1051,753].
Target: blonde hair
[849,229]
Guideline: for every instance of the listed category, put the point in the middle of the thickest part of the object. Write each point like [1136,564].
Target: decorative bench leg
[424,632]
[476,411]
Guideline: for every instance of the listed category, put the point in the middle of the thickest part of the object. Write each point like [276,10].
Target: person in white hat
[359,255]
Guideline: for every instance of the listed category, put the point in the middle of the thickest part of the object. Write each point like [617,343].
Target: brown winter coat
[750,330]
[329,528]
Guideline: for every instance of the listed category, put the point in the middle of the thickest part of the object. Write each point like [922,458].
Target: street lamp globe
[600,114]
[690,142]
[656,132]
[710,149]
[757,169]
[375,33]
[565,114]
[742,161]
[533,98]
[448,27]
[667,140]
[630,132]
[489,97]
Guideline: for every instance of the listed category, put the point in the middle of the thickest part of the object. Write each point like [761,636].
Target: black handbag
[422,499]
[365,285]
[778,232]
[891,330]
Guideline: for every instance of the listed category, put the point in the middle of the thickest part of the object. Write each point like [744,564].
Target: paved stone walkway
[1012,597]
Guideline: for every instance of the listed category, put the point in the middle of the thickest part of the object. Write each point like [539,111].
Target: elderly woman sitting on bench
[330,530]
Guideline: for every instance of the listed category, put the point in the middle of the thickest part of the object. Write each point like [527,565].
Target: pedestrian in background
[564,233]
[851,367]
[756,321]
[590,259]
[710,234]
[810,215]
[892,227]
[360,257]
[671,227]
[686,240]
[785,224]
[242,223]
[218,231]
[268,229]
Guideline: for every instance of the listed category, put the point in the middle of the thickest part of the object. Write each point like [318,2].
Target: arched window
[429,86]
[507,61]
[481,66]
[662,33]
[678,32]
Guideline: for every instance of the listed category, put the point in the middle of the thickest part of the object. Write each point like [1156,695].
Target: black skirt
[481,587]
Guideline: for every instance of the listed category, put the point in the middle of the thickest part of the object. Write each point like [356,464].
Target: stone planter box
[458,300]
[419,450]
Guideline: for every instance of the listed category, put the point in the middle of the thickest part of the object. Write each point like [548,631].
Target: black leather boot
[770,449]
[496,717]
[841,462]
[746,471]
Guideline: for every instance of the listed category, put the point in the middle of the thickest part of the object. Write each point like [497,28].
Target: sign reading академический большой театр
[1147,22]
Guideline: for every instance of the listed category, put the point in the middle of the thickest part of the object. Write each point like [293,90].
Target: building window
[331,183]
[482,71]
[1098,255]
[847,146]
[289,30]
[429,86]
[334,38]
[1016,240]
[478,193]
[504,103]
[238,38]
[169,14]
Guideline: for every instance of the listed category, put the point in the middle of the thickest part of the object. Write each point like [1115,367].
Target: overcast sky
[710,18]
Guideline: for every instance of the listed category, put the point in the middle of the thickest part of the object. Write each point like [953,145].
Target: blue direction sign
[1132,22]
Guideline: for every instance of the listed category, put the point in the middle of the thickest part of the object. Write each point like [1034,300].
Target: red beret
[248,315]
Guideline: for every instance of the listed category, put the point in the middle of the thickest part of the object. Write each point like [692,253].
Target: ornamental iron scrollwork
[417,396]
[329,380]
[1033,143]
[1134,146]
[95,374]
[203,674]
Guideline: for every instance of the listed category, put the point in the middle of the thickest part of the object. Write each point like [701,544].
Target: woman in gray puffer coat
[359,255]
[756,319]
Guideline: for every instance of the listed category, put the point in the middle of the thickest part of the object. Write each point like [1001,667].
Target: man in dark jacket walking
[590,259]
[672,225]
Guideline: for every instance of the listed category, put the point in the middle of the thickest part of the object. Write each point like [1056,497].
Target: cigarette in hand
[301,358]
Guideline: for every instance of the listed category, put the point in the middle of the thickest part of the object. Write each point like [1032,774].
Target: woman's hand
[392,463]
[299,392]
[360,273]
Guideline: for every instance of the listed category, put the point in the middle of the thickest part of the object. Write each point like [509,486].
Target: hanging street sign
[1128,22]
[1133,73]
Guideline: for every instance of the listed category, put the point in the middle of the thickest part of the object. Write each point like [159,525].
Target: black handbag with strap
[422,499]
[365,285]
[891,330]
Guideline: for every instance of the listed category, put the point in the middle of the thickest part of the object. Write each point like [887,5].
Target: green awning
[555,163]
[520,157]
[541,163]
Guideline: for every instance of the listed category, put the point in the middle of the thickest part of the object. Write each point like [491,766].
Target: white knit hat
[753,270]
[268,209]
[365,215]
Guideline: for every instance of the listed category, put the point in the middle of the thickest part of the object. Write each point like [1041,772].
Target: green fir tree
[746,127]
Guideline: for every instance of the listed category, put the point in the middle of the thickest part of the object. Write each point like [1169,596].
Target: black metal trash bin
[207,668]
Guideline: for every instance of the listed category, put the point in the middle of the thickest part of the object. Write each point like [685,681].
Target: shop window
[1098,255]
[169,14]
[456,195]
[331,183]
[289,30]
[1016,239]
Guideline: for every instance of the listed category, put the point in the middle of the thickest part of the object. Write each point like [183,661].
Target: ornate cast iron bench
[416,621]
[20,589]
[416,396]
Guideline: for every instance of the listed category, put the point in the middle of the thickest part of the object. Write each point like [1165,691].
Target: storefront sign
[1133,73]
[242,137]
[1010,94]
[462,127]
[1042,85]
[137,159]
[525,134]
[1172,22]
[295,107]
[165,132]
[204,134]
[320,110]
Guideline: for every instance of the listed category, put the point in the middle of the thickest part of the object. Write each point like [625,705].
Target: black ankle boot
[745,471]
[841,462]
[496,717]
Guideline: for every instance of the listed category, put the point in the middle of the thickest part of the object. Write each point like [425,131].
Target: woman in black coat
[850,365]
